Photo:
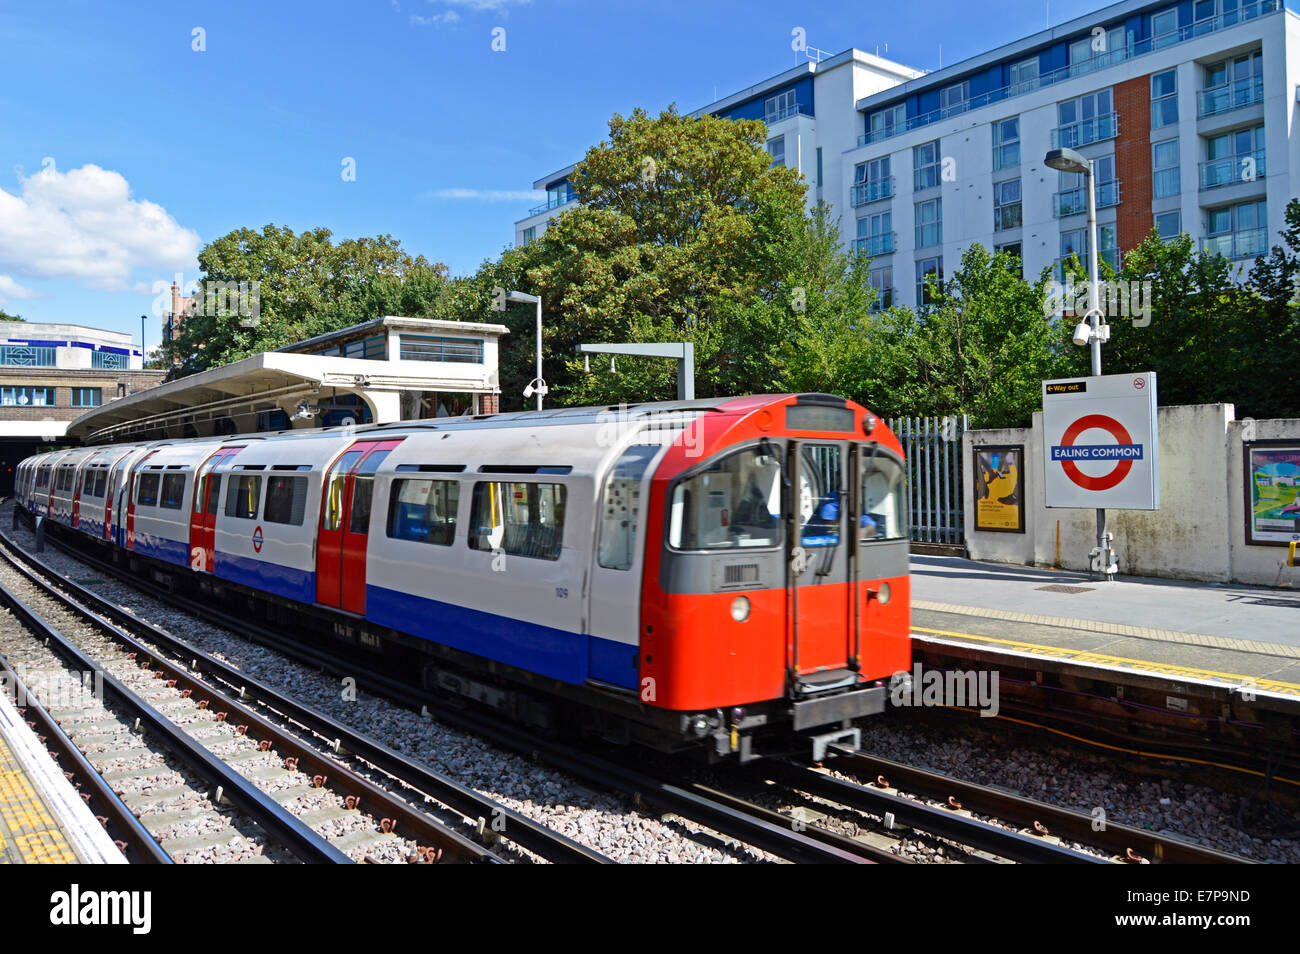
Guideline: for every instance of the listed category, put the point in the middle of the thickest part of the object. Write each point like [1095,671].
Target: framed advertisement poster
[1000,488]
[1272,478]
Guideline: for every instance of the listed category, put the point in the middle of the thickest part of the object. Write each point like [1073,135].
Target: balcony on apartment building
[1230,170]
[872,191]
[1086,131]
[1075,201]
[873,245]
[1120,54]
[1235,95]
[772,116]
[1108,255]
[1248,243]
[554,199]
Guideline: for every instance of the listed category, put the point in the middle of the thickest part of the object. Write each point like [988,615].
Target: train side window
[884,499]
[173,491]
[620,508]
[214,492]
[242,496]
[423,510]
[735,502]
[147,490]
[286,500]
[522,519]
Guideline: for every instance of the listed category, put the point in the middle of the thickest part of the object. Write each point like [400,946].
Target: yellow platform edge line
[30,827]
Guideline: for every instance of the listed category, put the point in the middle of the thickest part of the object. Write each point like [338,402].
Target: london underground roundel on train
[1100,442]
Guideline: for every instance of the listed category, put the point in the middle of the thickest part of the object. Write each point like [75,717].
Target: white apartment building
[1187,109]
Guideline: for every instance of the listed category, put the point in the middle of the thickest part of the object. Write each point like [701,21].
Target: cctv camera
[528,391]
[1082,334]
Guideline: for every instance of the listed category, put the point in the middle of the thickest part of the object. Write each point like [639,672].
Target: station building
[388,369]
[51,374]
[1187,109]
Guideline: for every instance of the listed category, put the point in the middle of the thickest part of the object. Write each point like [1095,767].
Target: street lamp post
[142,318]
[538,384]
[1091,331]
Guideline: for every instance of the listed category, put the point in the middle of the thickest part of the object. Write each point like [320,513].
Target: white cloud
[485,195]
[84,226]
[10,290]
[482,4]
[437,19]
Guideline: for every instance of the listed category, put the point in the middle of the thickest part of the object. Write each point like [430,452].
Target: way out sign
[1100,442]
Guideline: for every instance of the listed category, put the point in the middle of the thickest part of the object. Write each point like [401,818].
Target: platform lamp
[142,318]
[538,384]
[1091,330]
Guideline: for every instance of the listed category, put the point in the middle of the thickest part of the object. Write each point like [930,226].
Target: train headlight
[883,594]
[740,609]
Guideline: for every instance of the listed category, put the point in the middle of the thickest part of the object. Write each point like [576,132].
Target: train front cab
[779,599]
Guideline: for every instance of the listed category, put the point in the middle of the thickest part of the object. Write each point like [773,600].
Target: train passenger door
[76,493]
[112,513]
[129,490]
[819,646]
[203,511]
[346,496]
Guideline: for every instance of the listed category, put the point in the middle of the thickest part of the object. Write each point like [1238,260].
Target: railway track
[1007,833]
[318,743]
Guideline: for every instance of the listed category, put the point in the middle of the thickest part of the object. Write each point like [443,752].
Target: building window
[522,519]
[927,268]
[374,348]
[1095,52]
[1169,225]
[1024,75]
[530,233]
[875,235]
[558,195]
[952,99]
[776,149]
[1232,84]
[1012,250]
[1165,178]
[1164,28]
[1233,157]
[431,348]
[1085,119]
[1006,143]
[925,166]
[886,122]
[1006,205]
[882,280]
[780,106]
[109,360]
[872,181]
[1164,99]
[929,223]
[27,397]
[819,167]
[87,397]
[26,356]
[1073,200]
[1237,231]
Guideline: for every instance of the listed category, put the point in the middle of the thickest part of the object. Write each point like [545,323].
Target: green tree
[682,230]
[981,347]
[306,284]
[5,316]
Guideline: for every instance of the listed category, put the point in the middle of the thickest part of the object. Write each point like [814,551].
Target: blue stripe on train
[161,548]
[271,577]
[569,657]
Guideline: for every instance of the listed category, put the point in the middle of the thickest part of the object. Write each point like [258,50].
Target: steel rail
[111,809]
[1124,840]
[517,827]
[263,809]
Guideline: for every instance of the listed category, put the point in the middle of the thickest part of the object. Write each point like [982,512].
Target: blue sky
[123,150]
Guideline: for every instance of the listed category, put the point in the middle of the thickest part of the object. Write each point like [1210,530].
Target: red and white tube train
[728,574]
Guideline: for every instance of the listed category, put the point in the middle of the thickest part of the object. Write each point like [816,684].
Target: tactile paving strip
[29,833]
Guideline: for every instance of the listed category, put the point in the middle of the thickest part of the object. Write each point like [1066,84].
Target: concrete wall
[1197,534]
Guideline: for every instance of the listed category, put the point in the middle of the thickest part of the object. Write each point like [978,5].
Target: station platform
[43,819]
[1205,633]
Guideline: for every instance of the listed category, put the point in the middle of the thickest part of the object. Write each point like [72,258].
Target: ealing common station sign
[1099,442]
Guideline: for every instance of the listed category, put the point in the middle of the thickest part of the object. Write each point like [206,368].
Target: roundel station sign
[1100,442]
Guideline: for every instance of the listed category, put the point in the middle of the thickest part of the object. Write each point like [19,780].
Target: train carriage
[726,574]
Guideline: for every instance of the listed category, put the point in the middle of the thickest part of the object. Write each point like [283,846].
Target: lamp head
[1066,160]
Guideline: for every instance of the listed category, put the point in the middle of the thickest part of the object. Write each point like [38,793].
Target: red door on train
[203,512]
[345,525]
[76,494]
